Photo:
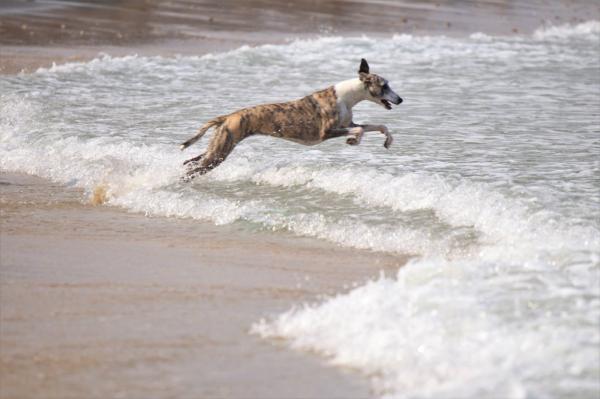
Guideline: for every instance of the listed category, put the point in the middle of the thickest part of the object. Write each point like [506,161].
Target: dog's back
[304,120]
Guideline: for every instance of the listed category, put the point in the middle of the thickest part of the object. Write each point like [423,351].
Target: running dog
[313,119]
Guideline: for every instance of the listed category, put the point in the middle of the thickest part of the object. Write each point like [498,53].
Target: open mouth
[386,104]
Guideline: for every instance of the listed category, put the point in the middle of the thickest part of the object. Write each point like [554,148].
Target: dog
[310,120]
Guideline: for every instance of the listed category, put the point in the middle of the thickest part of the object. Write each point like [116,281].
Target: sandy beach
[97,301]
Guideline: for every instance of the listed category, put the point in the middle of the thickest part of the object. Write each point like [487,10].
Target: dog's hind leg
[221,145]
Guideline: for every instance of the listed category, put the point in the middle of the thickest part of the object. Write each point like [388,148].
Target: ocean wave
[457,329]
[309,50]
[587,30]
[510,227]
[144,178]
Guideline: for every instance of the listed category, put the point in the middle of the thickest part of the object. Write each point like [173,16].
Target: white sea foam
[455,329]
[589,30]
[492,184]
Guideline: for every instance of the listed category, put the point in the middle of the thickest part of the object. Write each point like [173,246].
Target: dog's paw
[352,141]
[194,160]
[190,166]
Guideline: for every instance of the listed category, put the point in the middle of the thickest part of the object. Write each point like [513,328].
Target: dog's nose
[399,100]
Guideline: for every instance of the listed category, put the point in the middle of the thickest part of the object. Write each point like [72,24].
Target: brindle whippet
[313,119]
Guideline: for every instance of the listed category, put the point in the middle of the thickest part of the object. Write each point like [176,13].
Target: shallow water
[492,184]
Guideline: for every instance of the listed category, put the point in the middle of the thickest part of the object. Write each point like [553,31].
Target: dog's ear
[364,66]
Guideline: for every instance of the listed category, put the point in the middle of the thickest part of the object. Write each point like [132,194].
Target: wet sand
[99,302]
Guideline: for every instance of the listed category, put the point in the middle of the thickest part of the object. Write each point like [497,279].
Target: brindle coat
[309,120]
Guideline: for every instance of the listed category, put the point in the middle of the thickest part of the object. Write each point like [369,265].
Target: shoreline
[116,291]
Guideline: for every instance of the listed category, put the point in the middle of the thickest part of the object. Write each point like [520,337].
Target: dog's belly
[303,140]
[299,133]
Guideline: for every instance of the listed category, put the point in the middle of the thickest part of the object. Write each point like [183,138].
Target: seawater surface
[492,185]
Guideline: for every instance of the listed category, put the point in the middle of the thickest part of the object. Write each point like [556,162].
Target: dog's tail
[214,122]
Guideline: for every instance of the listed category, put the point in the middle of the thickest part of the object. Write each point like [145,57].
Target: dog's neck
[350,92]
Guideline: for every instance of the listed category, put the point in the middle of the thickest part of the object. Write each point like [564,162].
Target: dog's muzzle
[388,103]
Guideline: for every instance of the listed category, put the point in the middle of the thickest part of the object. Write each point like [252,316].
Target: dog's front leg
[355,131]
[383,130]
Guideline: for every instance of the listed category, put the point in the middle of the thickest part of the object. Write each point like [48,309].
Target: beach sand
[99,302]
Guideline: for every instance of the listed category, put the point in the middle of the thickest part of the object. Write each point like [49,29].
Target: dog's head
[378,89]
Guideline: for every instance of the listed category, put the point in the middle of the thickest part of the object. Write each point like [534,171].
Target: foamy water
[492,184]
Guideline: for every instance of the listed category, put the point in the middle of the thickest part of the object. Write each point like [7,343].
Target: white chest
[348,93]
[345,114]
